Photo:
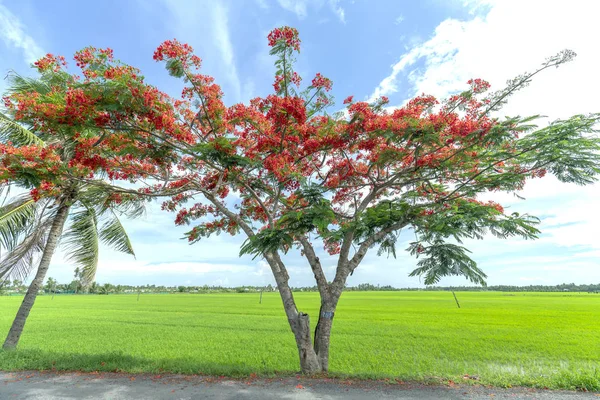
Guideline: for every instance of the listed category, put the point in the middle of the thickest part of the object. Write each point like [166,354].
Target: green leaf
[445,259]
[81,243]
[266,241]
[175,67]
[15,219]
[17,134]
[19,262]
[114,235]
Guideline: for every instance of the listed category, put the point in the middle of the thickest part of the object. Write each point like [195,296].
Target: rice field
[504,339]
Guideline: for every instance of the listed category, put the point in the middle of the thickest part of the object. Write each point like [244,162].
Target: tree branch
[346,268]
[315,265]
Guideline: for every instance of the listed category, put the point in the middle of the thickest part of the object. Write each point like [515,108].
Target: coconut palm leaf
[17,134]
[23,84]
[16,218]
[81,243]
[99,194]
[20,261]
[114,235]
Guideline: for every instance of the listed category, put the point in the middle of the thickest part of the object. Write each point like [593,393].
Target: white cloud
[221,32]
[262,4]
[263,269]
[13,33]
[501,40]
[389,84]
[399,19]
[210,39]
[338,10]
[113,268]
[511,38]
[300,7]
[574,222]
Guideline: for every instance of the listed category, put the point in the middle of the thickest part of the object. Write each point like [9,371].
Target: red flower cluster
[272,144]
[478,85]
[89,58]
[172,49]
[286,34]
[50,63]
[284,107]
[319,81]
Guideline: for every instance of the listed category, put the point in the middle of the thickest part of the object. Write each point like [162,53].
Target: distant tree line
[563,287]
[75,287]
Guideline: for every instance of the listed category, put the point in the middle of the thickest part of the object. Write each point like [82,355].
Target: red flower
[50,62]
[286,34]
[172,49]
[478,85]
[320,81]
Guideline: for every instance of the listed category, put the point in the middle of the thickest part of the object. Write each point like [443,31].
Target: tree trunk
[323,334]
[309,361]
[19,323]
[299,321]
[314,355]
[314,358]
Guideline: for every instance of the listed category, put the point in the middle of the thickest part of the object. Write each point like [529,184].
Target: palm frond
[20,261]
[16,218]
[81,243]
[114,235]
[17,134]
[23,84]
[99,194]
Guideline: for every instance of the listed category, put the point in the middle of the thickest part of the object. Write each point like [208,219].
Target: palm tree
[30,229]
[106,288]
[93,288]
[51,285]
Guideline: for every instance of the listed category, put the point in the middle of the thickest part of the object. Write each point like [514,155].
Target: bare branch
[315,265]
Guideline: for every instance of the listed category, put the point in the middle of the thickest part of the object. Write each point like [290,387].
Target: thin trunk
[19,323]
[457,303]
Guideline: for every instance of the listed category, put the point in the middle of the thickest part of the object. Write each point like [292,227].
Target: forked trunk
[314,355]
[314,358]
[19,323]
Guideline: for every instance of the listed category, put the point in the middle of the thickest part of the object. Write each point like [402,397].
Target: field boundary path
[120,386]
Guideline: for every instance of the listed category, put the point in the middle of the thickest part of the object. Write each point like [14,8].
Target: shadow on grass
[33,359]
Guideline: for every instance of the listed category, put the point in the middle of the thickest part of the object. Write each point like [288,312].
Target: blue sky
[368,48]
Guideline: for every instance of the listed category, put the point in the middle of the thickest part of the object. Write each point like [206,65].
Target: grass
[529,339]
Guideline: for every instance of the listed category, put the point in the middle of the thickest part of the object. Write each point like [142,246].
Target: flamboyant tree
[64,140]
[353,180]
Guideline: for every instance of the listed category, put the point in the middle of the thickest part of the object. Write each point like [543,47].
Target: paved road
[53,386]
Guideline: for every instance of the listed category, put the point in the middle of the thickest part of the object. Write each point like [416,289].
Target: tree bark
[299,321]
[314,355]
[323,334]
[309,360]
[53,236]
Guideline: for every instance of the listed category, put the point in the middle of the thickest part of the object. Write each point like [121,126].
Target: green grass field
[531,339]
